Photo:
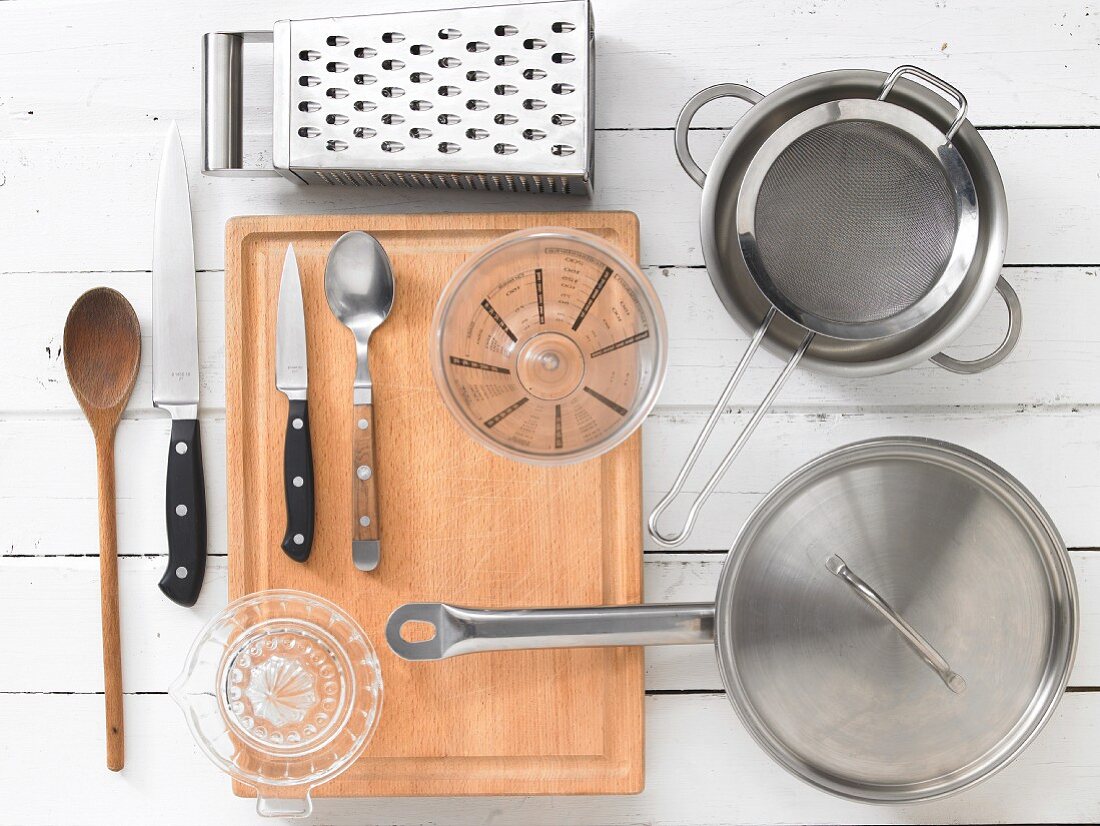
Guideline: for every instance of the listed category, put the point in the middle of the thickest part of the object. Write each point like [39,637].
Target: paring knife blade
[292,379]
[176,375]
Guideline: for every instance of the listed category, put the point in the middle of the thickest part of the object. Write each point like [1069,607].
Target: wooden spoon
[102,347]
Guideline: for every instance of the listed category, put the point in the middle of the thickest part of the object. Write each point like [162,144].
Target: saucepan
[895,622]
[855,222]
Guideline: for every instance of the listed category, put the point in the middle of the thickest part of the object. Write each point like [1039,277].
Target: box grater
[492,97]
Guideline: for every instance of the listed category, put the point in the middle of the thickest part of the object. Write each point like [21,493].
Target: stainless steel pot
[895,622]
[725,241]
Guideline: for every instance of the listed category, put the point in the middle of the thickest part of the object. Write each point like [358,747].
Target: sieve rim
[916,128]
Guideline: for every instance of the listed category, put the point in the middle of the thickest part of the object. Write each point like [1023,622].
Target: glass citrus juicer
[549,346]
[282,691]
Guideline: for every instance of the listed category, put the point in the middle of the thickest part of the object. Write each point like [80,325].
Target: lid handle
[924,649]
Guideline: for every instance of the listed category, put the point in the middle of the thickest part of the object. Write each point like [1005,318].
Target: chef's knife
[291,379]
[176,375]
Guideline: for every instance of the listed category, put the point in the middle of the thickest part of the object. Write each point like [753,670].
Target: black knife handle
[298,483]
[185,512]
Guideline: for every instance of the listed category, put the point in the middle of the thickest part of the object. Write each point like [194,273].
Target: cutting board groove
[459,523]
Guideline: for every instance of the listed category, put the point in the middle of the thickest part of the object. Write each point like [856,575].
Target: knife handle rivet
[181,572]
[299,481]
[297,424]
[364,521]
[363,472]
[299,539]
[363,424]
[181,510]
[181,448]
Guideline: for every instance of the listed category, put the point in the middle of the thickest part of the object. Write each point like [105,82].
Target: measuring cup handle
[697,101]
[1012,335]
[931,80]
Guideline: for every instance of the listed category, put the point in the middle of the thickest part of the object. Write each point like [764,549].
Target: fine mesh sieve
[857,219]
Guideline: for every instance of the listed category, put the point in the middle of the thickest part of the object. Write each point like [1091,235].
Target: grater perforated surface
[486,98]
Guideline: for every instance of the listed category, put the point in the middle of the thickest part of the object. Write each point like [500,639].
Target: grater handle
[222,103]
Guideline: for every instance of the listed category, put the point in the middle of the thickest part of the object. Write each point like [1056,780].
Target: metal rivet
[181,448]
[181,510]
[299,539]
[297,423]
[299,481]
[363,472]
[363,424]
[364,521]
[181,572]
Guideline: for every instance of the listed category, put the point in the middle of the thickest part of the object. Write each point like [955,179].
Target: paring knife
[176,375]
[291,379]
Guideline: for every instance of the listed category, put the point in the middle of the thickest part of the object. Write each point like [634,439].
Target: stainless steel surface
[931,80]
[1007,345]
[469,630]
[828,689]
[365,554]
[491,97]
[359,287]
[741,165]
[923,648]
[175,317]
[291,373]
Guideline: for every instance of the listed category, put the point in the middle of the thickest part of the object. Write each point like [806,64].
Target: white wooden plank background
[86,89]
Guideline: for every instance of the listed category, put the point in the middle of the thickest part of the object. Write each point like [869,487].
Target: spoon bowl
[359,283]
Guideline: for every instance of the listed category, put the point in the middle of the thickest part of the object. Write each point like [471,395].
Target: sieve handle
[1012,335]
[931,80]
[673,540]
[697,101]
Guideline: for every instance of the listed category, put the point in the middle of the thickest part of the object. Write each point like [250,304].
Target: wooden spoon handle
[365,531]
[108,586]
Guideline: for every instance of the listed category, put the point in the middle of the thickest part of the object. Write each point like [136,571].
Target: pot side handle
[1012,335]
[697,101]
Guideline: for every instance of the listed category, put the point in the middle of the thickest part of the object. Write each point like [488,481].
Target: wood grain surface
[460,523]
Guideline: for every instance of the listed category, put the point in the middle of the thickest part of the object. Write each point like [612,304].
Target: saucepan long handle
[456,630]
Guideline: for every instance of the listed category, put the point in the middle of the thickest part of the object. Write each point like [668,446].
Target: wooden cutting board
[459,523]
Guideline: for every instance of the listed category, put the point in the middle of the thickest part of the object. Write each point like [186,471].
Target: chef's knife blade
[176,375]
[291,378]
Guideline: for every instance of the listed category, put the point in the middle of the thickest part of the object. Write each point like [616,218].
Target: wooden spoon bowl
[102,347]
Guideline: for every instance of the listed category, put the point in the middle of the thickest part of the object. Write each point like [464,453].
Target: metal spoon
[102,347]
[359,286]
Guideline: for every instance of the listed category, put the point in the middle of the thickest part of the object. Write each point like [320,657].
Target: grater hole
[449,34]
[563,88]
[309,132]
[534,43]
[309,80]
[336,120]
[392,92]
[392,37]
[562,149]
[365,51]
[534,134]
[475,105]
[421,49]
[365,105]
[562,28]
[392,65]
[563,57]
[364,132]
[309,54]
[505,89]
[393,120]
[504,149]
[504,119]
[309,106]
[420,77]
[477,46]
[337,93]
[420,105]
[337,40]
[365,80]
[420,133]
[534,104]
[449,120]
[477,75]
[392,146]
[563,120]
[337,67]
[505,31]
[449,62]
[476,134]
[336,146]
[449,91]
[448,148]
[506,60]
[534,74]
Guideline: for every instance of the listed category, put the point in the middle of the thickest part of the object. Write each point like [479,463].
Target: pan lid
[897,620]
